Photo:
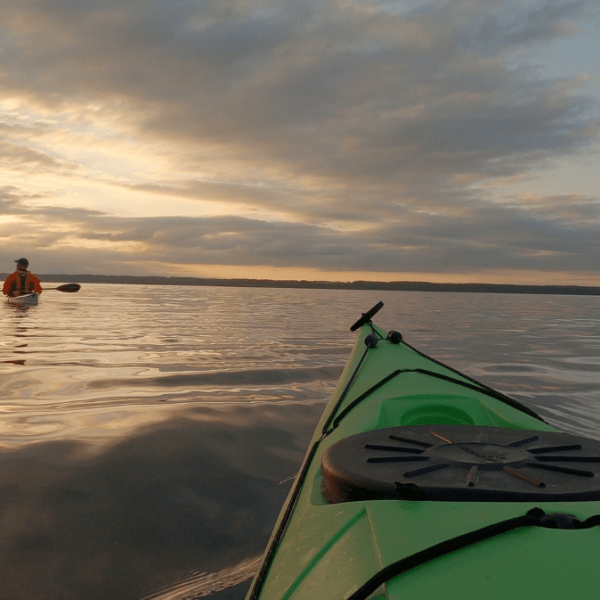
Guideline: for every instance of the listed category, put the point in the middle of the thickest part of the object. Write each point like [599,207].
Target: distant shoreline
[405,286]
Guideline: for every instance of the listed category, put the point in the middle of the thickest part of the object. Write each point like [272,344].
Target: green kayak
[422,483]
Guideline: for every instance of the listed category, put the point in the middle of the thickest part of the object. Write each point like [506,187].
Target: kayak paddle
[67,287]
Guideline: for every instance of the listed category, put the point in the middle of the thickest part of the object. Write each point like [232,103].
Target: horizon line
[571,289]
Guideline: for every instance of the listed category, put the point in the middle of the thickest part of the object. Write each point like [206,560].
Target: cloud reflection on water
[197,493]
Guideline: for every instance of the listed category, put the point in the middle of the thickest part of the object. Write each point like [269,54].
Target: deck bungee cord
[535,517]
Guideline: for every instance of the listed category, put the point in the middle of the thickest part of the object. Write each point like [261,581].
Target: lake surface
[149,434]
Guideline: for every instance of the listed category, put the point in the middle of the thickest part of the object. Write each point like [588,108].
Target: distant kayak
[28,299]
[421,483]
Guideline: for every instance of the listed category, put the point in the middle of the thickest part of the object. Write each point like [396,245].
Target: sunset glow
[365,140]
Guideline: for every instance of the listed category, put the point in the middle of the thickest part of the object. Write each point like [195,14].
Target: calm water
[148,434]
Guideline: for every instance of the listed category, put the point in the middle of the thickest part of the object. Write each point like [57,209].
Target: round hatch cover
[461,463]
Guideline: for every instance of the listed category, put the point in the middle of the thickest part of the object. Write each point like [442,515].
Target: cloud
[529,233]
[328,133]
[20,157]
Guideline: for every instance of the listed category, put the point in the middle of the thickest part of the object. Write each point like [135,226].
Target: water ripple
[150,434]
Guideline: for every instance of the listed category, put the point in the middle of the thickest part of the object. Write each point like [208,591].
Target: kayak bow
[421,482]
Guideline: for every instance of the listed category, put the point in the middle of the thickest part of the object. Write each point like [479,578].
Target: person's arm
[7,284]
[37,286]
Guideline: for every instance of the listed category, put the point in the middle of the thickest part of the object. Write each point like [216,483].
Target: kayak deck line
[535,517]
[284,521]
[492,393]
[344,392]
[354,403]
[412,461]
[396,338]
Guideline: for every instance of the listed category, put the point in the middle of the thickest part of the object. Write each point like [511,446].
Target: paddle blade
[68,287]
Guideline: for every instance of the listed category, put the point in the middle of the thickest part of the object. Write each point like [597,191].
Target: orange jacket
[16,285]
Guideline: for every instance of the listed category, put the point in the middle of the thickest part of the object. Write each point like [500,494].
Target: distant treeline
[410,286]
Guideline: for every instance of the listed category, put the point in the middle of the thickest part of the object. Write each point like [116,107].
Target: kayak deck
[357,528]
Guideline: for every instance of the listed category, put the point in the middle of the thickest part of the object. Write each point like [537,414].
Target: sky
[342,140]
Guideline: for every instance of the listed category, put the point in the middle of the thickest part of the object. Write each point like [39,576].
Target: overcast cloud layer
[322,139]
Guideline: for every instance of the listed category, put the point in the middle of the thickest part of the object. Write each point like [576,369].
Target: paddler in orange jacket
[21,281]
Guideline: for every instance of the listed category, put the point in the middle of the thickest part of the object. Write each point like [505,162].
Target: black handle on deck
[367,316]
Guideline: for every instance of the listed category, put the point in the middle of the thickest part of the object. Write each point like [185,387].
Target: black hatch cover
[461,463]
